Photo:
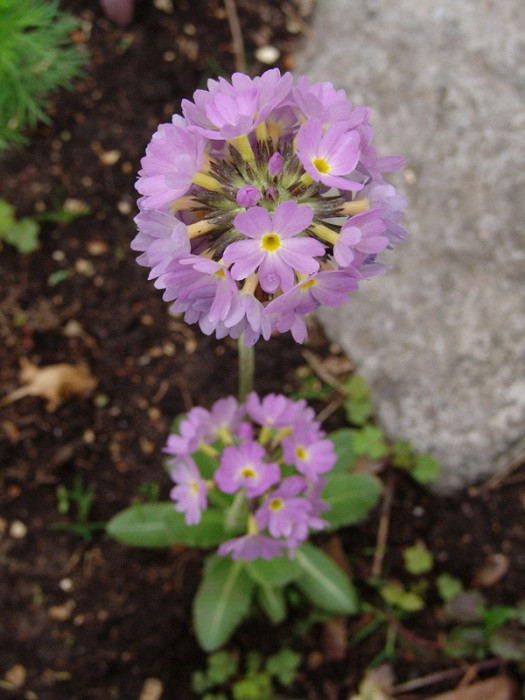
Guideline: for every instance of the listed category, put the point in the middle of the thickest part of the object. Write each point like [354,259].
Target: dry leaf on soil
[56,383]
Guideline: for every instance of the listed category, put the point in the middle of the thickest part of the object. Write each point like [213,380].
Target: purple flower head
[273,411]
[162,238]
[283,511]
[189,494]
[243,466]
[225,417]
[326,288]
[227,111]
[271,453]
[275,164]
[192,431]
[330,155]
[391,203]
[172,158]
[272,247]
[323,102]
[310,455]
[247,196]
[252,546]
[363,233]
[262,203]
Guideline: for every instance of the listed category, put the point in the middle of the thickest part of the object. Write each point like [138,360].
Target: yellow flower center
[194,487]
[271,242]
[309,283]
[248,472]
[301,453]
[321,165]
[276,504]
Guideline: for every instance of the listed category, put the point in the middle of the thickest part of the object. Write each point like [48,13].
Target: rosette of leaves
[37,57]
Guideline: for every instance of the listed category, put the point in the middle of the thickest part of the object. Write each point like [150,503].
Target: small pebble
[151,690]
[66,585]
[124,207]
[267,54]
[18,530]
[61,612]
[16,676]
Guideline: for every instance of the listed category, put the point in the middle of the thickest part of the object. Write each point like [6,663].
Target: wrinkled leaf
[323,582]
[351,497]
[160,525]
[222,601]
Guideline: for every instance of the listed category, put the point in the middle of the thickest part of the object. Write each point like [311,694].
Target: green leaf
[323,582]
[222,601]
[23,235]
[358,411]
[7,217]
[426,469]
[272,601]
[418,559]
[274,572]
[448,586]
[508,644]
[283,665]
[255,687]
[402,455]
[358,406]
[497,616]
[222,665]
[160,525]
[344,449]
[394,594]
[351,497]
[207,464]
[466,642]
[370,441]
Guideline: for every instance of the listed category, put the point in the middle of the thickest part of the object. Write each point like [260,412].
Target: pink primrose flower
[189,494]
[243,466]
[272,247]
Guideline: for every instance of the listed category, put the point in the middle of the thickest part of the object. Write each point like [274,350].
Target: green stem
[246,368]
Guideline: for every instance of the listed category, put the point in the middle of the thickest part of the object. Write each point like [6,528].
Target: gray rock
[441,336]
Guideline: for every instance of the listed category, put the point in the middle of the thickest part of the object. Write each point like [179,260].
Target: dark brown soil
[85,619]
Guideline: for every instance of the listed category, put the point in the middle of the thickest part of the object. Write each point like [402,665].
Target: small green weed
[226,678]
[37,57]
[23,234]
[81,498]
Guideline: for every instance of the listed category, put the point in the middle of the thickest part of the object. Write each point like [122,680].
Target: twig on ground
[330,408]
[317,366]
[497,479]
[439,676]
[236,32]
[382,530]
